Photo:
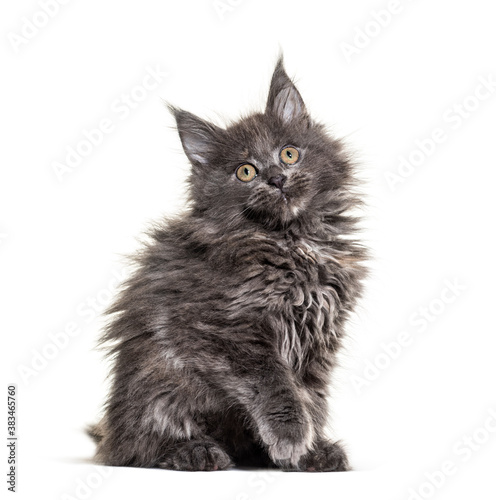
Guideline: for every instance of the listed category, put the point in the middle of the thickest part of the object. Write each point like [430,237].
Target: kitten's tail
[95,432]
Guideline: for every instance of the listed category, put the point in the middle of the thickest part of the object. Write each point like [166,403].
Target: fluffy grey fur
[224,338]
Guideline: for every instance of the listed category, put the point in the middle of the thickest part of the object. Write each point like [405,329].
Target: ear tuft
[284,100]
[198,137]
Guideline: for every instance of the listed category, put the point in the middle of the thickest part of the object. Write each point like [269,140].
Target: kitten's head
[272,168]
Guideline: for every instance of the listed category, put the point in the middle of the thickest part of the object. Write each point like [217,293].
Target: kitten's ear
[198,137]
[284,100]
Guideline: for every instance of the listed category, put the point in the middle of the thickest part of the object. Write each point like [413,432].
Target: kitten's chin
[276,209]
[277,214]
[289,207]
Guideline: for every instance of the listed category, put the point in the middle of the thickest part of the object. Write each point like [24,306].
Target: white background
[63,237]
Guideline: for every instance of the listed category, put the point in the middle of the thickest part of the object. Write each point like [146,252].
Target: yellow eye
[289,155]
[246,172]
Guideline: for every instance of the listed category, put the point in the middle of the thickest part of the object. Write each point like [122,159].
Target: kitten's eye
[289,155]
[246,172]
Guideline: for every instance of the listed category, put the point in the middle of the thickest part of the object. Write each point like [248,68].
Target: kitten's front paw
[196,456]
[326,457]
[287,451]
[288,438]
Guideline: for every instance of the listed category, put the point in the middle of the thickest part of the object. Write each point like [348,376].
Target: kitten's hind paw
[196,456]
[326,457]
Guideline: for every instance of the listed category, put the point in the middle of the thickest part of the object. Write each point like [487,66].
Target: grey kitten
[224,338]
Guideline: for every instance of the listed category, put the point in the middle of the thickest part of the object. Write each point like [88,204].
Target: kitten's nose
[277,181]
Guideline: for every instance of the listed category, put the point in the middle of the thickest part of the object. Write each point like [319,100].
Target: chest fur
[289,284]
[310,303]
